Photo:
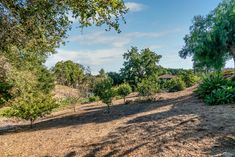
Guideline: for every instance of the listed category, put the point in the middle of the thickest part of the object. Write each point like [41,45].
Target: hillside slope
[176,125]
[65,91]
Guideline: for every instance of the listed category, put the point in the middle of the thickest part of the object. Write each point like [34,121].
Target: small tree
[148,87]
[175,85]
[189,78]
[140,65]
[123,90]
[103,89]
[31,106]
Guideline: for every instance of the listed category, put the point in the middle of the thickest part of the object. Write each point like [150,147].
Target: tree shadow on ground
[225,143]
[184,130]
[183,126]
[93,115]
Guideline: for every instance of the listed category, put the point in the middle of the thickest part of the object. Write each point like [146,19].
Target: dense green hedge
[216,90]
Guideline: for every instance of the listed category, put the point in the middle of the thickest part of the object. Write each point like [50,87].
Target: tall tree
[116,77]
[31,30]
[139,65]
[102,73]
[68,73]
[211,41]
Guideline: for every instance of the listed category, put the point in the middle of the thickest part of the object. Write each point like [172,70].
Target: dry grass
[64,91]
[178,124]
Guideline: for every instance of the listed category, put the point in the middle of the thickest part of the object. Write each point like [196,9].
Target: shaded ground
[176,125]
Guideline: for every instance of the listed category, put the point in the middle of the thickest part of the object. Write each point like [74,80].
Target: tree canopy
[139,65]
[68,73]
[211,41]
[31,30]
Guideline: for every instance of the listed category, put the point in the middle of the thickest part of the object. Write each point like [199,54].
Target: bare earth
[178,124]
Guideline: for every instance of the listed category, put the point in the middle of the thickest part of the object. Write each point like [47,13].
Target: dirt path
[176,125]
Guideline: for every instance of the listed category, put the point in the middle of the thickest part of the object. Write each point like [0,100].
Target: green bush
[216,90]
[148,87]
[210,83]
[189,78]
[224,95]
[31,106]
[5,94]
[174,85]
[103,89]
[124,90]
[68,101]
[93,98]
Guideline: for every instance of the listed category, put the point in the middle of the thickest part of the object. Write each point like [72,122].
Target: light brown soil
[65,91]
[178,124]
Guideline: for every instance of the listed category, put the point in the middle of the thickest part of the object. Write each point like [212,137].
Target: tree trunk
[31,123]
[108,108]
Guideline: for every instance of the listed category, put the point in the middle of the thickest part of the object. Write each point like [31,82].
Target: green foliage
[189,78]
[148,87]
[116,77]
[103,89]
[211,40]
[68,73]
[69,101]
[216,90]
[224,95]
[31,30]
[124,90]
[93,99]
[174,85]
[31,106]
[139,65]
[76,100]
[5,94]
[102,73]
[210,83]
[23,81]
[46,80]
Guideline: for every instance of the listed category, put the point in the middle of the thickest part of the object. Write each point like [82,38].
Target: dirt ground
[178,124]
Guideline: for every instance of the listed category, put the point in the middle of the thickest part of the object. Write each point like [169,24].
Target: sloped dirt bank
[176,125]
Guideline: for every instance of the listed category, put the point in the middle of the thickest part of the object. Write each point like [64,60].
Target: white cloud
[92,58]
[101,38]
[121,40]
[134,7]
[109,53]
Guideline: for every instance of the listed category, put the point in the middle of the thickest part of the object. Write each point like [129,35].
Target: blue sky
[156,24]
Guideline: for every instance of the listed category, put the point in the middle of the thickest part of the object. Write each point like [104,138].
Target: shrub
[210,83]
[5,94]
[216,90]
[103,89]
[224,95]
[189,78]
[69,101]
[93,98]
[148,87]
[124,90]
[31,106]
[174,85]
